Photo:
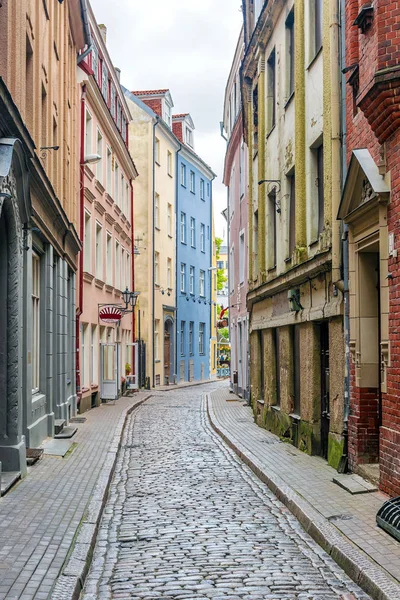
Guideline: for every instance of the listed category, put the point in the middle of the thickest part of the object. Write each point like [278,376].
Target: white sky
[186,46]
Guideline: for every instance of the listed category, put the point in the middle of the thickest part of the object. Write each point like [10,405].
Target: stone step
[58,425]
[66,433]
[8,479]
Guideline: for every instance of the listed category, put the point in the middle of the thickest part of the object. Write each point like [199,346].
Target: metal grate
[388,517]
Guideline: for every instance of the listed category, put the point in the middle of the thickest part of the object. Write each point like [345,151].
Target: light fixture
[129,298]
[91,159]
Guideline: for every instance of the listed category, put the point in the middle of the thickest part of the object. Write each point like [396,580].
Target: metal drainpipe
[176,256]
[153,242]
[86,27]
[79,308]
[345,250]
[133,264]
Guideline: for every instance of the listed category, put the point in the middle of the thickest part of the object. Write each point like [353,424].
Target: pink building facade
[236,180]
[106,268]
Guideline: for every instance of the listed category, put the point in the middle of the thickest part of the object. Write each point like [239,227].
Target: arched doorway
[168,351]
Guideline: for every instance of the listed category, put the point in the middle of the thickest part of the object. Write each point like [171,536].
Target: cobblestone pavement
[185,519]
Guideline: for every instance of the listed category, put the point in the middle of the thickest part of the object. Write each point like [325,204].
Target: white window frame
[191,332]
[157,210]
[35,322]
[169,163]
[169,219]
[156,339]
[183,175]
[109,244]
[202,189]
[183,326]
[116,183]
[191,279]
[202,237]
[183,227]
[241,255]
[99,150]
[202,328]
[183,277]
[202,283]
[192,182]
[88,133]
[117,283]
[99,251]
[169,272]
[157,151]
[157,268]
[109,170]
[87,250]
[193,232]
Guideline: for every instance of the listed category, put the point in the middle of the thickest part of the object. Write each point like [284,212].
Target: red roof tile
[149,92]
[180,116]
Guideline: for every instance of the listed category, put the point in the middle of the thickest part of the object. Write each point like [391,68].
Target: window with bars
[35,322]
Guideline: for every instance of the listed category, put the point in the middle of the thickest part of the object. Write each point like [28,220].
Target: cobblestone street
[186,519]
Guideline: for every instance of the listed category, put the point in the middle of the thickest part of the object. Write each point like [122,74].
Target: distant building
[154,145]
[236,180]
[194,275]
[107,223]
[223,265]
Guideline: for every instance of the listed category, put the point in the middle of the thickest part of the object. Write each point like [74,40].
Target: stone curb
[362,570]
[71,579]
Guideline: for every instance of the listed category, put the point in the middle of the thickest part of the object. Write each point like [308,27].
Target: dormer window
[189,137]
[167,113]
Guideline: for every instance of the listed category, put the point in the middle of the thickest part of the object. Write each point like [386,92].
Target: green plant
[128,369]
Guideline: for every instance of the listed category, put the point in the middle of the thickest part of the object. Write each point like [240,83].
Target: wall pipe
[79,308]
[133,265]
[177,286]
[153,248]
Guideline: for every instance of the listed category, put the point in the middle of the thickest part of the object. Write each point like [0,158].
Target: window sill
[202,199]
[157,163]
[156,227]
[193,192]
[314,59]
[289,100]
[272,269]
[288,260]
[184,243]
[295,416]
[169,175]
[183,185]
[276,407]
[170,236]
[157,360]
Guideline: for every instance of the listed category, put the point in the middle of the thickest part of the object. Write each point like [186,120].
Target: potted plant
[128,369]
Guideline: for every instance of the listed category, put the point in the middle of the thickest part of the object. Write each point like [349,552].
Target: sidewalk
[342,523]
[184,384]
[40,516]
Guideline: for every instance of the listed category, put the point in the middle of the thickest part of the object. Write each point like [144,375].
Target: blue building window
[191,280]
[202,283]
[183,324]
[183,228]
[202,237]
[191,330]
[193,232]
[183,277]
[202,189]
[202,327]
[183,175]
[192,182]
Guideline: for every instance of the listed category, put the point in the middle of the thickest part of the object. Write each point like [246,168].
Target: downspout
[176,257]
[86,28]
[345,243]
[133,265]
[211,277]
[153,243]
[79,308]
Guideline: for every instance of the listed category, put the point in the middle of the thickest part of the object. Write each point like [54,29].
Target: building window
[292,214]
[87,244]
[191,280]
[242,170]
[157,211]
[290,56]
[183,175]
[241,257]
[192,182]
[318,16]
[123,275]
[295,343]
[117,266]
[271,239]
[189,137]
[169,219]
[35,322]
[255,119]
[271,92]
[276,345]
[109,258]
[320,185]
[156,339]
[169,163]
[255,243]
[183,228]
[84,369]
[128,271]
[167,114]
[127,203]
[231,269]
[202,189]
[183,277]
[202,283]
[93,362]
[191,328]
[169,272]
[220,264]
[109,171]
[157,151]
[116,184]
[123,197]
[99,150]
[202,327]
[202,237]
[88,134]
[192,232]
[156,268]
[99,251]
[183,338]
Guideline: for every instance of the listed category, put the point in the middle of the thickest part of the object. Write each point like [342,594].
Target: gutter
[79,308]
[133,266]
[86,28]
[153,245]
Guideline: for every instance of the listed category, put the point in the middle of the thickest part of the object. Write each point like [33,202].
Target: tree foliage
[221,277]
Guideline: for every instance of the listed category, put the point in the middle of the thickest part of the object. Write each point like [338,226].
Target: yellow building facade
[291,105]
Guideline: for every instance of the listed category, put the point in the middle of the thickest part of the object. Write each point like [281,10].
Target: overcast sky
[186,46]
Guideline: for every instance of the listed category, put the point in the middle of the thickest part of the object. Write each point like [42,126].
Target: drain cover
[388,517]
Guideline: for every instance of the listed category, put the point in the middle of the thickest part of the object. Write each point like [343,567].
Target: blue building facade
[193,257]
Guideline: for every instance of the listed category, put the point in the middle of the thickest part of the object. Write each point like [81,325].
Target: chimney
[103,31]
[118,72]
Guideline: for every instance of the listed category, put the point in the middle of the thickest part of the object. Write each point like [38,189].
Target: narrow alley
[186,519]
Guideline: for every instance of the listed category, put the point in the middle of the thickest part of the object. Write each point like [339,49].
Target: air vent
[388,517]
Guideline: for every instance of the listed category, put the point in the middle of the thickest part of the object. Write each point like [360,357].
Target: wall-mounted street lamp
[130,299]
[91,159]
[45,149]
[274,186]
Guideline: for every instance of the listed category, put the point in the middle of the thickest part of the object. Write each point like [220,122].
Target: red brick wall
[177,129]
[378,48]
[154,104]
